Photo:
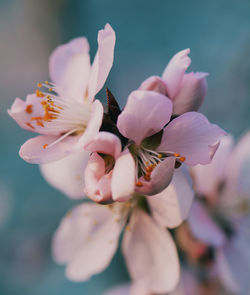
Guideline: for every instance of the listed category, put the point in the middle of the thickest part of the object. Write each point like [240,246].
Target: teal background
[148,34]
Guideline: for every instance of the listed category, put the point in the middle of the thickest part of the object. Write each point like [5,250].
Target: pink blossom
[186,90]
[65,113]
[87,237]
[225,186]
[189,138]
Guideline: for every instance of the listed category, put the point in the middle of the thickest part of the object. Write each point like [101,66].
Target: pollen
[45,145]
[176,154]
[159,156]
[29,108]
[39,85]
[46,82]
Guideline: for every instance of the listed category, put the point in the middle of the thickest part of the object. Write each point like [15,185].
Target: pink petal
[193,137]
[33,150]
[237,171]
[208,177]
[170,207]
[175,70]
[69,67]
[160,178]
[94,124]
[106,143]
[154,83]
[192,92]
[22,112]
[150,254]
[203,227]
[86,239]
[98,185]
[145,114]
[67,174]
[123,177]
[233,264]
[103,60]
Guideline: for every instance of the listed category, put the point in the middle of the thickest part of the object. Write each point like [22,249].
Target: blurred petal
[154,83]
[192,136]
[123,177]
[150,254]
[98,185]
[103,60]
[106,143]
[160,178]
[67,174]
[170,207]
[69,67]
[86,239]
[192,92]
[233,263]
[35,151]
[145,114]
[127,289]
[238,168]
[208,177]
[175,70]
[94,124]
[203,227]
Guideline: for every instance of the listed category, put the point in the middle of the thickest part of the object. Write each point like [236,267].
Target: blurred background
[148,34]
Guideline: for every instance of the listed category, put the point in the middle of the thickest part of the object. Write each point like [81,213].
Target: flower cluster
[131,162]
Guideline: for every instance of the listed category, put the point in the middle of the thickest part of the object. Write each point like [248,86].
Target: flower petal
[154,83]
[208,177]
[150,254]
[23,111]
[145,114]
[67,174]
[94,124]
[86,239]
[103,60]
[123,177]
[160,178]
[238,167]
[34,150]
[98,185]
[192,136]
[175,70]
[106,143]
[170,207]
[69,67]
[233,264]
[192,92]
[203,227]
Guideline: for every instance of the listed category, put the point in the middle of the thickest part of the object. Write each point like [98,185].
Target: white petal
[170,207]
[67,174]
[86,239]
[150,254]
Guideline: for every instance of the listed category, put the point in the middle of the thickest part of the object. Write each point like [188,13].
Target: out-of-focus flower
[156,143]
[66,113]
[186,90]
[219,220]
[87,237]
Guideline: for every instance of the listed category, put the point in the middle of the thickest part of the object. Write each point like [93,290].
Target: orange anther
[160,156]
[182,159]
[29,108]
[39,93]
[36,118]
[147,177]
[139,183]
[30,125]
[39,85]
[46,82]
[50,89]
[176,154]
[39,123]
[45,145]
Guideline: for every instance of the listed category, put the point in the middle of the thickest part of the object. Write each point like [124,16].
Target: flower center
[62,114]
[147,159]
